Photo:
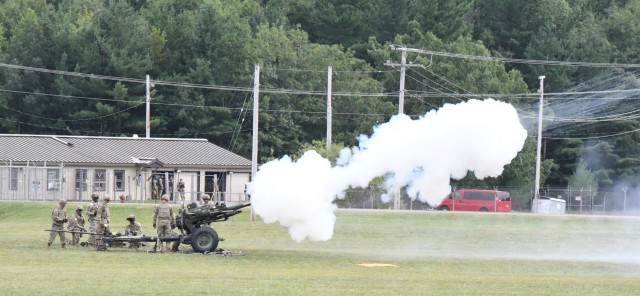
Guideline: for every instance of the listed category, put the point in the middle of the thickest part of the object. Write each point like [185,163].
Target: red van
[477,200]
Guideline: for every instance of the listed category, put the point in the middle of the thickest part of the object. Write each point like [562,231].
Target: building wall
[30,181]
[237,190]
[52,182]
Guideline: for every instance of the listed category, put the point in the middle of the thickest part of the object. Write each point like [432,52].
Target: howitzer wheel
[204,239]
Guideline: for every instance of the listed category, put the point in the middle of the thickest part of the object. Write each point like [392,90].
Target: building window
[81,179]
[119,179]
[100,180]
[53,179]
[13,179]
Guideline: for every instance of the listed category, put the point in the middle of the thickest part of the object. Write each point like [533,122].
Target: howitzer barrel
[218,212]
[237,207]
[196,216]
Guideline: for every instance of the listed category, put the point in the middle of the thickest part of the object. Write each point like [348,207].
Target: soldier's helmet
[206,197]
[131,217]
[165,197]
[78,208]
[62,201]
[95,197]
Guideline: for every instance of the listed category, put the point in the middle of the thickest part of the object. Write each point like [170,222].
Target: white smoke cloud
[422,154]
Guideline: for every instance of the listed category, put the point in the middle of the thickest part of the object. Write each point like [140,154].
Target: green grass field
[431,253]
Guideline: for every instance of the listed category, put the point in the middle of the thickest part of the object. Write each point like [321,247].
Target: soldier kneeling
[133,229]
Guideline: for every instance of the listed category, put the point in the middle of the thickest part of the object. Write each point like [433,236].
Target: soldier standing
[76,223]
[164,219]
[181,188]
[134,228]
[102,213]
[58,217]
[92,214]
[156,187]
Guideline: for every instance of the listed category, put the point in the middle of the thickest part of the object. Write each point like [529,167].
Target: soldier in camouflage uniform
[76,223]
[92,215]
[164,219]
[181,189]
[134,228]
[206,202]
[102,213]
[58,217]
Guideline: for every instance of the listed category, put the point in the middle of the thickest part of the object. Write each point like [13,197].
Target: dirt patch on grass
[377,265]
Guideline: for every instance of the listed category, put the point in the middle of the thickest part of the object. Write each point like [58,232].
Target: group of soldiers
[164,220]
[157,187]
[98,216]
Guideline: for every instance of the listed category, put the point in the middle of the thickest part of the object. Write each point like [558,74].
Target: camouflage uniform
[102,214]
[76,223]
[164,219]
[92,215]
[134,228]
[58,217]
[207,203]
[181,189]
[157,187]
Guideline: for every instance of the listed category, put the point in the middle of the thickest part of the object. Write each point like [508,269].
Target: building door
[215,185]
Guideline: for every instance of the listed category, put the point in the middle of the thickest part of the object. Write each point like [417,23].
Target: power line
[446,88]
[593,137]
[76,74]
[198,86]
[614,117]
[290,91]
[421,99]
[65,96]
[179,104]
[325,71]
[522,61]
[417,94]
[71,120]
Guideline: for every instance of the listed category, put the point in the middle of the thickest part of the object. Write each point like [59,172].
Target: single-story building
[50,167]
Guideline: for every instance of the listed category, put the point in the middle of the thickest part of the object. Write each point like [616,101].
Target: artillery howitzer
[194,228]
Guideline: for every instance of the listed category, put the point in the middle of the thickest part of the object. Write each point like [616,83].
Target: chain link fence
[623,201]
[31,181]
[49,182]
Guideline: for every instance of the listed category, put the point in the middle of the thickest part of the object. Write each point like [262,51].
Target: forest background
[201,54]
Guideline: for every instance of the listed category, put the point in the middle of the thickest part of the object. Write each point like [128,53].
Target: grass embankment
[432,253]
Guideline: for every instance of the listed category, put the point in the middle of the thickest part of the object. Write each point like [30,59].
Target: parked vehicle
[477,200]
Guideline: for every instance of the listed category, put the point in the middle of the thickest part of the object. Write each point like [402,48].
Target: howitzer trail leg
[155,247]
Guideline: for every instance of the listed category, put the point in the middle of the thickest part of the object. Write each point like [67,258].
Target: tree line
[191,43]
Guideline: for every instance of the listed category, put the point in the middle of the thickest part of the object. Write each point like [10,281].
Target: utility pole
[148,117]
[403,69]
[403,66]
[329,74]
[254,146]
[536,193]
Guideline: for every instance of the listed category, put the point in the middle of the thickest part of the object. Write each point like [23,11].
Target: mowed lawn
[403,253]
